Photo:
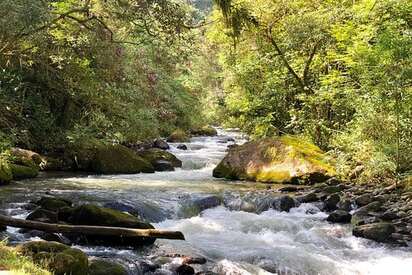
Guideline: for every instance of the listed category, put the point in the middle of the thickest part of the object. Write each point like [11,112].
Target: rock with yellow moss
[284,159]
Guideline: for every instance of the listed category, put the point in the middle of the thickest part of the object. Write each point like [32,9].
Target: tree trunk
[91,230]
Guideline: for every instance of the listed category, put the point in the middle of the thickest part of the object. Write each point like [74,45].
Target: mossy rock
[96,156]
[6,174]
[53,204]
[26,157]
[101,267]
[284,159]
[153,155]
[23,172]
[179,136]
[204,131]
[59,258]
[95,215]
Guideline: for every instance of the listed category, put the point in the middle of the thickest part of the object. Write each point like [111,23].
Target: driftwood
[91,230]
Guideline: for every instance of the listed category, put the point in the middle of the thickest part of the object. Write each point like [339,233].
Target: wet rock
[345,205]
[194,207]
[185,270]
[94,215]
[331,202]
[123,207]
[310,197]
[161,144]
[102,267]
[339,216]
[53,204]
[289,156]
[163,165]
[60,258]
[204,131]
[364,199]
[182,147]
[289,189]
[333,189]
[145,267]
[380,232]
[193,260]
[178,136]
[389,215]
[158,157]
[101,158]
[363,214]
[43,215]
[284,203]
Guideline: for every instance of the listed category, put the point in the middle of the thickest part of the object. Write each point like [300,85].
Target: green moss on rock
[59,258]
[284,159]
[23,172]
[101,267]
[153,155]
[5,172]
[178,136]
[101,158]
[204,131]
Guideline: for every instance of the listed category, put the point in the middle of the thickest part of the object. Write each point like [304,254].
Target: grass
[16,264]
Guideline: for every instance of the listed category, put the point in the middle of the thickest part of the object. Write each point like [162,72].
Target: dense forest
[312,93]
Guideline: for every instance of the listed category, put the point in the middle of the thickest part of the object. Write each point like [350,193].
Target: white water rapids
[234,242]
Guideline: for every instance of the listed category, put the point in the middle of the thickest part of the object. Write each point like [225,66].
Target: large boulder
[59,258]
[380,232]
[204,131]
[284,159]
[101,158]
[178,136]
[5,172]
[101,267]
[95,215]
[161,160]
[23,172]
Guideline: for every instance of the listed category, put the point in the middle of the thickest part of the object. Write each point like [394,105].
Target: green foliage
[338,72]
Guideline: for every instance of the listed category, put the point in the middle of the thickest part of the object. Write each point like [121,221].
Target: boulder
[363,214]
[284,159]
[178,136]
[309,197]
[98,157]
[182,147]
[331,202]
[161,160]
[53,204]
[284,203]
[204,131]
[59,258]
[185,270]
[339,216]
[161,144]
[23,172]
[95,215]
[380,232]
[101,267]
[5,172]
[43,215]
[194,207]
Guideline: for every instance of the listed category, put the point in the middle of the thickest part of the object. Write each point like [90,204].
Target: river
[233,241]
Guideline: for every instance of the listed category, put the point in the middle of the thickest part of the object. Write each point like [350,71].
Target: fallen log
[91,230]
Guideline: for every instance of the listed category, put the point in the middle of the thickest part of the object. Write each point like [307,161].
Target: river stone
[345,205]
[380,232]
[101,267]
[102,158]
[158,157]
[60,258]
[123,207]
[339,216]
[204,131]
[95,215]
[178,136]
[310,197]
[43,215]
[185,270]
[53,204]
[284,159]
[364,200]
[182,147]
[161,144]
[362,215]
[284,203]
[23,172]
[163,165]
[194,207]
[331,202]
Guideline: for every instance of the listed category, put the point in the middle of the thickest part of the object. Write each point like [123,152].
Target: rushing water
[233,241]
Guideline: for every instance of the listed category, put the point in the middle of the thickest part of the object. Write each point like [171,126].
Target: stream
[232,241]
